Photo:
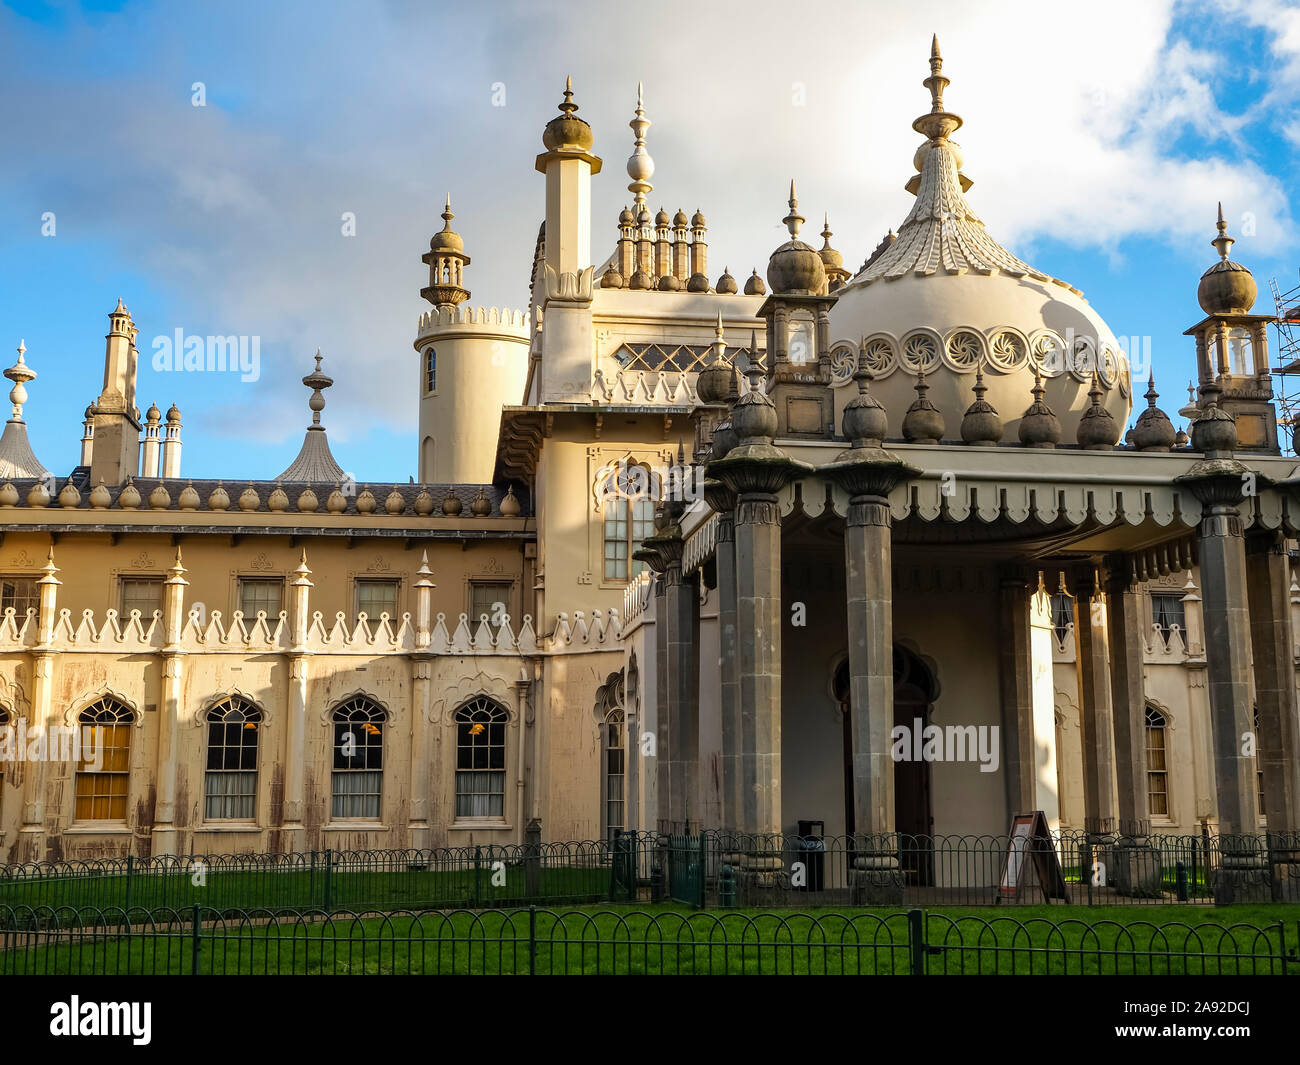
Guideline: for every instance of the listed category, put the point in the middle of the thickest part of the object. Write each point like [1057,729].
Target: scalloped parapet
[643,388]
[600,633]
[493,321]
[636,597]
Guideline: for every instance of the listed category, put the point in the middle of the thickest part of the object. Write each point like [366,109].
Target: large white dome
[946,298]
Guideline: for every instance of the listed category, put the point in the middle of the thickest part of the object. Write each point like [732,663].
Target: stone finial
[923,422]
[19,373]
[1226,287]
[755,286]
[726,285]
[865,422]
[1098,430]
[640,167]
[1215,431]
[1039,425]
[1153,430]
[981,425]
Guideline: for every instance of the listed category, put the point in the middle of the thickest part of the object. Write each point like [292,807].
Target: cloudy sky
[1099,138]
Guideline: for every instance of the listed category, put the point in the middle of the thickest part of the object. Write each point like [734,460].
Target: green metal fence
[199,941]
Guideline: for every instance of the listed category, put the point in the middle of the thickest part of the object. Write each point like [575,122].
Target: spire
[640,167]
[794,219]
[315,462]
[1222,242]
[16,456]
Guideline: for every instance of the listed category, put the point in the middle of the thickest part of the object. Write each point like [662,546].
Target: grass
[612,939]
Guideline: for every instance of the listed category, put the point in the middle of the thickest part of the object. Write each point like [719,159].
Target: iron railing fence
[703,869]
[200,941]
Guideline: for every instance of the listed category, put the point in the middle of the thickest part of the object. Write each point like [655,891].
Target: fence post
[311,882]
[130,866]
[532,940]
[704,866]
[916,941]
[478,872]
[196,940]
[329,866]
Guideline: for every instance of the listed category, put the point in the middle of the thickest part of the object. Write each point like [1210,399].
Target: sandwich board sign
[1031,862]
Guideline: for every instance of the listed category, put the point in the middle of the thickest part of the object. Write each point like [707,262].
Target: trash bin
[811,848]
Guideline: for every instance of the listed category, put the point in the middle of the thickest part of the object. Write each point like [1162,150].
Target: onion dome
[278,500]
[566,131]
[626,217]
[423,504]
[723,440]
[662,219]
[923,422]
[100,496]
[981,426]
[173,415]
[669,283]
[697,219]
[366,502]
[451,504]
[153,415]
[69,497]
[219,498]
[641,280]
[754,286]
[1153,431]
[697,283]
[1215,431]
[160,498]
[795,268]
[1181,439]
[611,278]
[1039,425]
[39,495]
[832,260]
[8,495]
[1226,287]
[753,417]
[510,504]
[726,285]
[447,239]
[308,502]
[249,499]
[129,497]
[90,412]
[864,422]
[1098,430]
[481,506]
[336,502]
[394,503]
[679,219]
[714,382]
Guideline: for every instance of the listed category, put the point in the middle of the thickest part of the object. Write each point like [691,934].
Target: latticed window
[230,783]
[21,593]
[1157,764]
[1167,612]
[629,519]
[143,594]
[481,759]
[104,769]
[615,772]
[1062,615]
[358,776]
[261,593]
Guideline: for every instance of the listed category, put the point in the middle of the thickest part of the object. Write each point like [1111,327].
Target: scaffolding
[1288,356]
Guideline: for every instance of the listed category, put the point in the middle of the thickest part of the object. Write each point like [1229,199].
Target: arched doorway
[915,690]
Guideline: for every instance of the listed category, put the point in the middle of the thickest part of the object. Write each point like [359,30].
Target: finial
[1222,241]
[640,166]
[794,219]
[1151,394]
[316,381]
[19,373]
[568,106]
[936,82]
[717,332]
[826,231]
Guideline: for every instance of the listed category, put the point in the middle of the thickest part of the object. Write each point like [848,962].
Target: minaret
[171,444]
[446,260]
[1232,348]
[16,457]
[115,454]
[568,343]
[151,444]
[87,435]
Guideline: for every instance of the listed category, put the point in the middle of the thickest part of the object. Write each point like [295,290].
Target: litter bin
[812,852]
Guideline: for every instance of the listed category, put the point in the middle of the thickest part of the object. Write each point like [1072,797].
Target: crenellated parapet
[466,320]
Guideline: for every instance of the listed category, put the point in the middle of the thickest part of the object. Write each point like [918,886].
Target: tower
[1232,347]
[115,452]
[171,443]
[472,361]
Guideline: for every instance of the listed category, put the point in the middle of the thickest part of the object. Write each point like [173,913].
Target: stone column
[165,834]
[1015,673]
[1272,644]
[421,696]
[663,755]
[682,604]
[869,473]
[1095,714]
[723,501]
[756,470]
[1219,483]
[1135,865]
[295,747]
[41,716]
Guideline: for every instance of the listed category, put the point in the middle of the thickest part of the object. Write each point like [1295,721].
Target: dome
[626,218]
[679,219]
[945,297]
[795,268]
[566,131]
[446,240]
[697,219]
[1226,287]
[661,218]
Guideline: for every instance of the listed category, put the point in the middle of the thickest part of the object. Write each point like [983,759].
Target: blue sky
[1099,139]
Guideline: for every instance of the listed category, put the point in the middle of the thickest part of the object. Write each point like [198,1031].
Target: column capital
[868,472]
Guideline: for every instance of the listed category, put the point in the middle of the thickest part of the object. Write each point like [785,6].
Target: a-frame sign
[1031,861]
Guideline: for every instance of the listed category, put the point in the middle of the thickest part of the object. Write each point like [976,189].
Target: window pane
[357,778]
[21,593]
[480,759]
[260,593]
[143,594]
[374,598]
[492,599]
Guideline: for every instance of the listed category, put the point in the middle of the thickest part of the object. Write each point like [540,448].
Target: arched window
[104,768]
[430,370]
[629,519]
[358,776]
[614,730]
[1062,615]
[1157,764]
[230,783]
[481,759]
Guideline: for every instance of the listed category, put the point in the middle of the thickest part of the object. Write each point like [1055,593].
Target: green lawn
[605,939]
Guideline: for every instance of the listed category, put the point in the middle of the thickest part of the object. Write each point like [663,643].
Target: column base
[1135,870]
[163,841]
[876,880]
[1241,879]
[761,880]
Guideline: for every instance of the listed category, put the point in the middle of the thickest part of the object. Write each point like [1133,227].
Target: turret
[171,444]
[115,452]
[151,442]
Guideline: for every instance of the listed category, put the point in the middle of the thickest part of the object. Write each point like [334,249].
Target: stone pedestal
[876,880]
[1135,870]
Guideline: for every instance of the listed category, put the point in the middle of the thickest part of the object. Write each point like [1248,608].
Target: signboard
[1031,860]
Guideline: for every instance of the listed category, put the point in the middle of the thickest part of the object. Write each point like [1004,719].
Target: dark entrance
[914,692]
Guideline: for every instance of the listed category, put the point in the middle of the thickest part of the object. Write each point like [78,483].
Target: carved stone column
[295,747]
[1095,714]
[723,501]
[869,473]
[165,834]
[662,754]
[1219,483]
[41,716]
[1015,673]
[421,698]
